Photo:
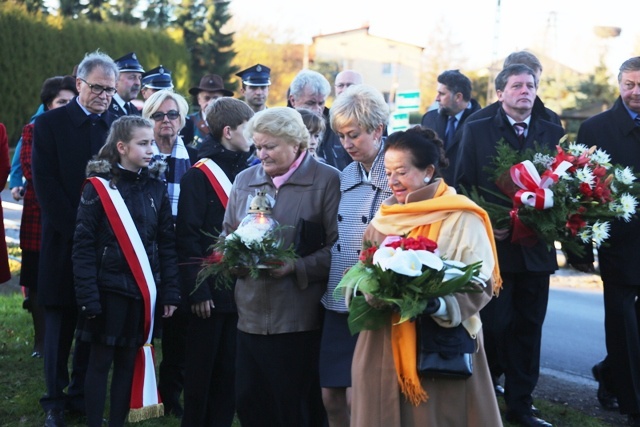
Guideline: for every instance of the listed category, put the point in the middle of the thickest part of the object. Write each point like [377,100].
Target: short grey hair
[154,102]
[95,60]
[313,80]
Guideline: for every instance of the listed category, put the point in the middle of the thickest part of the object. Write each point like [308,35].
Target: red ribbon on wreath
[535,192]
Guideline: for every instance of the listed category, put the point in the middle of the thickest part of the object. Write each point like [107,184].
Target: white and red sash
[145,400]
[218,179]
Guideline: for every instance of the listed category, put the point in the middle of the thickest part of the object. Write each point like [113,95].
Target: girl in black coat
[109,298]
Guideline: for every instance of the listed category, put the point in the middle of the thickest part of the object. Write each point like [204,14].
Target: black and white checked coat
[359,202]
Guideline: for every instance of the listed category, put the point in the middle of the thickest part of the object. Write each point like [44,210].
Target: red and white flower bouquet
[569,196]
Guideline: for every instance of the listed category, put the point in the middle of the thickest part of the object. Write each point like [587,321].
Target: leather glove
[433,305]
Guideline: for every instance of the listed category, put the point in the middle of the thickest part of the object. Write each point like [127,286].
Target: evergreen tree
[211,49]
[159,13]
[122,11]
[70,8]
[95,11]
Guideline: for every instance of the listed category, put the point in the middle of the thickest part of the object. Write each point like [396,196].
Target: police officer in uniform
[255,86]
[127,86]
[156,79]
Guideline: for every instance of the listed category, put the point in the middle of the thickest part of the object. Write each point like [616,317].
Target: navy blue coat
[64,140]
[438,122]
[615,132]
[477,147]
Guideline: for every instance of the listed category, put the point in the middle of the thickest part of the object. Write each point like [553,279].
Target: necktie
[519,128]
[94,117]
[637,120]
[130,108]
[450,131]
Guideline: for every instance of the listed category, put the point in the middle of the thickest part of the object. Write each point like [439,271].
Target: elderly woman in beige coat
[387,390]
[280,313]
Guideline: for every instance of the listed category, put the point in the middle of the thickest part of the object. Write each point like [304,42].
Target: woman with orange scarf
[387,390]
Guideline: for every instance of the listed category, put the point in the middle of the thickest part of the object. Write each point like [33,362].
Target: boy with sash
[209,397]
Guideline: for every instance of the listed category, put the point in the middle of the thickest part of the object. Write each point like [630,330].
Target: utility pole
[494,56]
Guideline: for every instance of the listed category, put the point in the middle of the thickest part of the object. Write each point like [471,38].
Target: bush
[36,47]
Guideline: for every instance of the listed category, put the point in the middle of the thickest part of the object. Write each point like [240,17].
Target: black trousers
[209,376]
[60,325]
[512,325]
[622,334]
[171,371]
[274,379]
[102,357]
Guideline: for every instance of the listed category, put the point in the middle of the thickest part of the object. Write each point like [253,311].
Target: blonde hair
[279,122]
[361,105]
[153,103]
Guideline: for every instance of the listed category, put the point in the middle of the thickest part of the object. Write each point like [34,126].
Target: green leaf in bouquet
[359,277]
[362,316]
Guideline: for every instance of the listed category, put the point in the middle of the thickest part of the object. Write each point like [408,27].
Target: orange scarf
[424,219]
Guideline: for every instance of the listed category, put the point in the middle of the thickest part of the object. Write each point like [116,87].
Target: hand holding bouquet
[403,274]
[250,249]
[567,196]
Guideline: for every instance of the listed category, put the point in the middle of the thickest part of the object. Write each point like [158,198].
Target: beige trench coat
[377,400]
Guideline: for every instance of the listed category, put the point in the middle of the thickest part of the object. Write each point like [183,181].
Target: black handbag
[443,352]
[310,237]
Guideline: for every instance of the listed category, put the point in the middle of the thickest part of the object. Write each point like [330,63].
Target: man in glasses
[64,140]
[128,86]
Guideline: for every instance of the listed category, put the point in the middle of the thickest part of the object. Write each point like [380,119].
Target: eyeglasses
[158,116]
[98,89]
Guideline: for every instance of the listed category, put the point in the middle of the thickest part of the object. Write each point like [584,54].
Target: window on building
[387,68]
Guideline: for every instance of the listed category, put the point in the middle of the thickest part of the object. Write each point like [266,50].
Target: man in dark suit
[454,106]
[531,61]
[514,318]
[128,86]
[64,140]
[617,131]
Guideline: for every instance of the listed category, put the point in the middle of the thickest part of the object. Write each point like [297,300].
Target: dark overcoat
[477,148]
[64,140]
[615,132]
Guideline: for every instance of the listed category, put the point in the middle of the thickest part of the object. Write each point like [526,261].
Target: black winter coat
[64,140]
[615,132]
[98,262]
[199,221]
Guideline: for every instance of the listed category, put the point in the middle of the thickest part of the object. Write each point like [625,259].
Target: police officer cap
[157,78]
[258,75]
[129,64]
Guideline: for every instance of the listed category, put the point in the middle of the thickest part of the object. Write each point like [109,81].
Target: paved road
[12,213]
[573,334]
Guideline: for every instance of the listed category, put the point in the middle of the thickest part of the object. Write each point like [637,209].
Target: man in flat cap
[156,79]
[255,86]
[128,86]
[211,87]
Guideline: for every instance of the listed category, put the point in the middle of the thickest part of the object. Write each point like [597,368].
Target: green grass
[22,384]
